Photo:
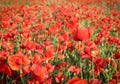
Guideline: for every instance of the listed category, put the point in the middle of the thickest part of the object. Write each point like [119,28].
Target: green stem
[81,73]
[93,67]
[22,80]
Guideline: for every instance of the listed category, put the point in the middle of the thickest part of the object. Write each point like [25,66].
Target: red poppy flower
[82,34]
[37,59]
[39,48]
[60,56]
[47,42]
[60,38]
[49,67]
[40,73]
[116,75]
[26,69]
[117,55]
[38,26]
[48,54]
[95,81]
[61,65]
[112,81]
[74,69]
[3,55]
[5,69]
[5,24]
[110,61]
[59,77]
[31,45]
[77,81]
[99,65]
[78,46]
[61,47]
[17,60]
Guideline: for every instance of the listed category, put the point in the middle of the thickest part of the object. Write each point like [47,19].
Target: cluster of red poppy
[66,44]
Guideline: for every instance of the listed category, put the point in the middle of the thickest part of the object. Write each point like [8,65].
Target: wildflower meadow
[59,42]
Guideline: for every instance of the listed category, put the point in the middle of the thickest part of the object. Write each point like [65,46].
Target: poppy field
[60,42]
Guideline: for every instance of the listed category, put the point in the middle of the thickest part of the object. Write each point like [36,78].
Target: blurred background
[111,3]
